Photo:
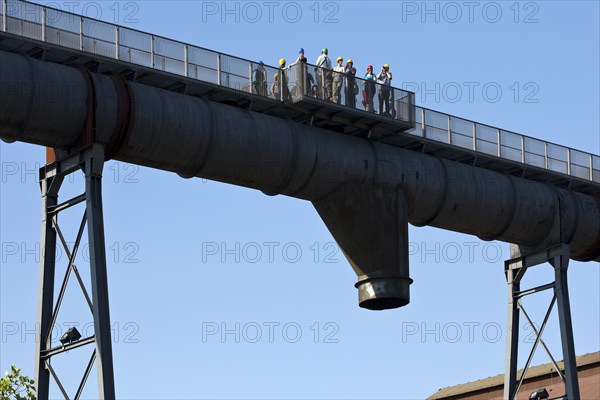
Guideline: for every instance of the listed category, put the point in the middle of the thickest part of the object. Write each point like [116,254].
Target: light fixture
[71,335]
[539,394]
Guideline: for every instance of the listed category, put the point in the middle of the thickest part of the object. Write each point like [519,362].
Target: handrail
[237,73]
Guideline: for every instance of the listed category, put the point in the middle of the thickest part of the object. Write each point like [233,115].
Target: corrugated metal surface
[537,377]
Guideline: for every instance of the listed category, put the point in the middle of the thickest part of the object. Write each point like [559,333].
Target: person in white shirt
[323,72]
[338,74]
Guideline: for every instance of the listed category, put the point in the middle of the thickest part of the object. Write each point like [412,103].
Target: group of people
[330,82]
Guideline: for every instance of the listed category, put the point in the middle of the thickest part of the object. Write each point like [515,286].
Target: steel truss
[515,269]
[91,161]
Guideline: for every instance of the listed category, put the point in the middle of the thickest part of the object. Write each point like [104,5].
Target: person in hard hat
[369,83]
[338,74]
[259,80]
[324,77]
[302,76]
[350,84]
[283,80]
[384,79]
[275,88]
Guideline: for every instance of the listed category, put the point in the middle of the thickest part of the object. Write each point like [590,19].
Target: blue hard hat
[301,50]
[261,63]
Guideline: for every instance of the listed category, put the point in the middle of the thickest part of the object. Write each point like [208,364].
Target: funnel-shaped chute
[370,225]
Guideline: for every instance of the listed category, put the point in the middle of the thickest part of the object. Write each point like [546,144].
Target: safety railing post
[474,136]
[499,144]
[185,60]
[81,33]
[219,69]
[152,51]
[568,161]
[591,167]
[449,130]
[423,124]
[117,39]
[43,24]
[523,149]
[545,155]
[281,79]
[250,78]
[4,18]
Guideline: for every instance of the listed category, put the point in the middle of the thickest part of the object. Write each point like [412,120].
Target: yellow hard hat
[386,65]
[276,76]
[282,61]
[340,58]
[349,61]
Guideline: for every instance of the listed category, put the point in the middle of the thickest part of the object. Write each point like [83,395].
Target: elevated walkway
[66,38]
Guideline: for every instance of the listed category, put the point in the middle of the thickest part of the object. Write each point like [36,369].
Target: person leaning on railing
[384,78]
[275,92]
[302,77]
[338,73]
[350,84]
[323,72]
[283,78]
[259,80]
[369,89]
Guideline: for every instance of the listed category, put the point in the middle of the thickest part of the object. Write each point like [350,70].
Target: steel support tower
[515,269]
[91,161]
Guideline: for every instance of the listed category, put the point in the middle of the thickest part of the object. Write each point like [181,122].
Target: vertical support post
[561,290]
[591,167]
[152,51]
[117,40]
[250,86]
[545,155]
[423,124]
[81,44]
[512,337]
[499,138]
[49,188]
[93,189]
[523,149]
[474,136]
[569,161]
[43,24]
[4,17]
[281,97]
[219,69]
[185,60]
[449,129]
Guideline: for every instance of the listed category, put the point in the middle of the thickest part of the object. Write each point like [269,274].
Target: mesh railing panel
[99,38]
[487,139]
[203,64]
[135,47]
[24,19]
[63,29]
[535,152]
[169,56]
[511,146]
[462,132]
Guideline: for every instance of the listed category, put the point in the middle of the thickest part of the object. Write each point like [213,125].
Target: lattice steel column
[515,269]
[91,161]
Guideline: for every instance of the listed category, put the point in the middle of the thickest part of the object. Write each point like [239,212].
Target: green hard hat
[325,50]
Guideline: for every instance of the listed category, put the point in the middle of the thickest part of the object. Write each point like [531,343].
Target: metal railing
[96,37]
[348,90]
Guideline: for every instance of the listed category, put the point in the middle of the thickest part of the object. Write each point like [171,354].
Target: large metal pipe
[45,104]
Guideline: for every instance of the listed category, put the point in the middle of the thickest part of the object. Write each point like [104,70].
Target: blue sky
[218,291]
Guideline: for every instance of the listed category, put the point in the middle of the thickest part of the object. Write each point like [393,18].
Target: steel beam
[49,187]
[93,188]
